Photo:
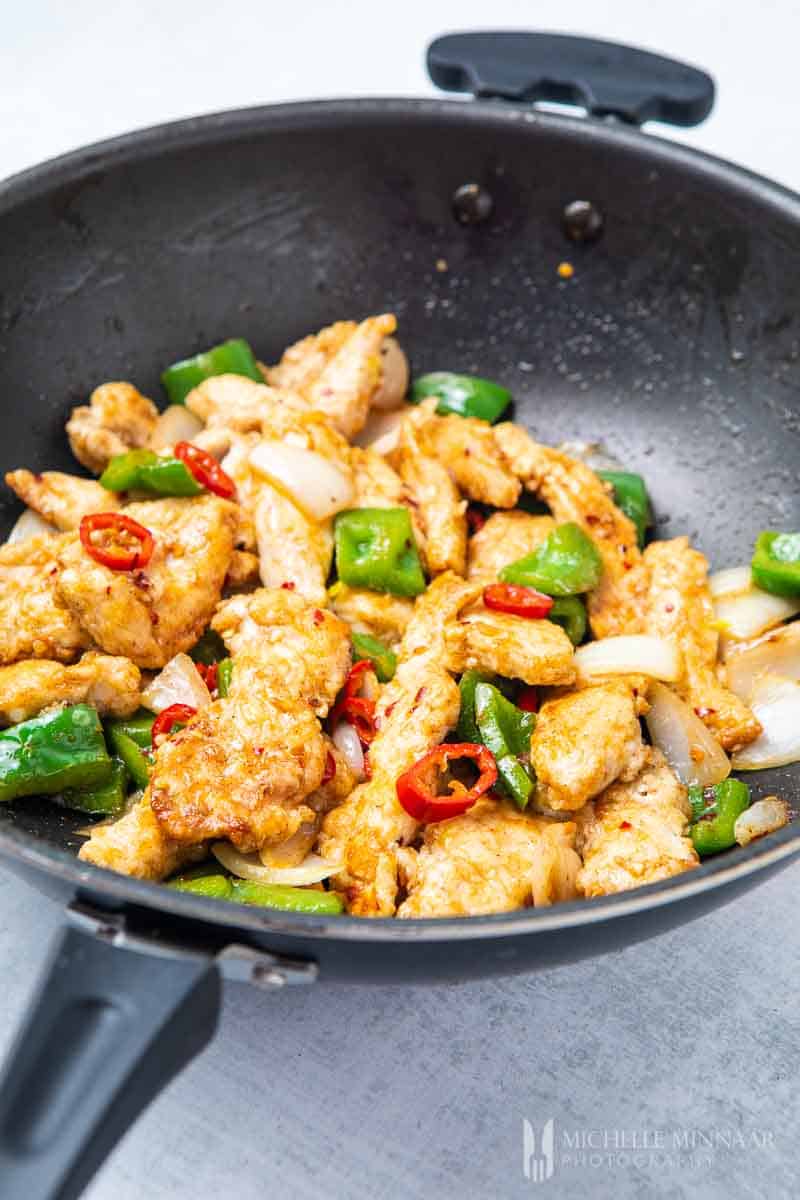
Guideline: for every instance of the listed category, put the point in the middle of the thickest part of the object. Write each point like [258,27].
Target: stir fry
[319,638]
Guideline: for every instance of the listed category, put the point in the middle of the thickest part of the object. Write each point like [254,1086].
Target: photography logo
[538,1157]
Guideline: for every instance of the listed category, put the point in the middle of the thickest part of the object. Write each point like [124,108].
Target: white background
[409,1094]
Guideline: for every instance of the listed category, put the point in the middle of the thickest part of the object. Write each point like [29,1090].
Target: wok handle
[607,79]
[107,1029]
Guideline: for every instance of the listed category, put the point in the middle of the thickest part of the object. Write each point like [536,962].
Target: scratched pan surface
[675,342]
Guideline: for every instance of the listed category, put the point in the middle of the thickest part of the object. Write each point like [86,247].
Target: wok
[675,342]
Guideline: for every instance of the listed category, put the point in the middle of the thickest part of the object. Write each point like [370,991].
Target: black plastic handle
[607,79]
[108,1028]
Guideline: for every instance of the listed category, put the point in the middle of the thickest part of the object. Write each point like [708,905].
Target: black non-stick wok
[675,341]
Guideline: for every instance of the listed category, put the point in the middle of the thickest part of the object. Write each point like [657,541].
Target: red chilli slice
[206,470]
[521,601]
[116,541]
[165,722]
[417,789]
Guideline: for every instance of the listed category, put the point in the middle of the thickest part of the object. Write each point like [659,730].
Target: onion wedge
[744,611]
[776,703]
[694,754]
[29,524]
[765,816]
[776,652]
[178,683]
[635,654]
[313,868]
[348,743]
[175,424]
[320,487]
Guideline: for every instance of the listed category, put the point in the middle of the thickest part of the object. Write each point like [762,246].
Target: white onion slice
[776,652]
[635,654]
[765,816]
[730,581]
[745,615]
[178,683]
[175,424]
[29,524]
[313,868]
[382,431]
[776,703]
[691,750]
[317,484]
[347,742]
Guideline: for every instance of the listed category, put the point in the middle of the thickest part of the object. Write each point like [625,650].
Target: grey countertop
[669,1069]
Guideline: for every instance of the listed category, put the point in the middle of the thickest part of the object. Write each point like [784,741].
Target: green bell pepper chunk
[570,613]
[139,727]
[776,563]
[106,798]
[54,751]
[566,563]
[213,887]
[506,731]
[134,757]
[630,495]
[146,471]
[467,729]
[208,649]
[714,813]
[289,899]
[466,395]
[233,357]
[382,658]
[224,676]
[375,549]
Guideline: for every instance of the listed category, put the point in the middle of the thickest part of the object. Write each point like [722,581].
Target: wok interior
[674,343]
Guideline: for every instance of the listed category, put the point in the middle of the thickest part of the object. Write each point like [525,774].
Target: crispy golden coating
[635,832]
[292,548]
[383,616]
[414,713]
[338,371]
[63,500]
[504,538]
[34,621]
[239,405]
[538,652]
[583,742]
[468,449]
[117,418]
[573,492]
[679,609]
[150,615]
[243,767]
[438,505]
[112,685]
[137,845]
[377,484]
[486,861]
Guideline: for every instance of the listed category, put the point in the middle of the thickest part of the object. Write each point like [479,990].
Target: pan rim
[231,124]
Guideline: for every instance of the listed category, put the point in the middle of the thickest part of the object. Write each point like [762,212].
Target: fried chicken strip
[61,499]
[117,418]
[111,684]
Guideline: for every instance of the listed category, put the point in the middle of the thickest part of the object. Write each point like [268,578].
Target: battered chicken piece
[537,652]
[438,505]
[679,609]
[118,418]
[292,548]
[414,713]
[486,861]
[504,538]
[337,371]
[291,852]
[63,500]
[468,449]
[136,845]
[383,616]
[150,615]
[34,621]
[237,404]
[242,768]
[636,832]
[573,492]
[583,742]
[112,685]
